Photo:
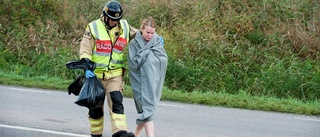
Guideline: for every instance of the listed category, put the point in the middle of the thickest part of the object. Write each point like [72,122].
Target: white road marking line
[28,90]
[308,119]
[170,105]
[44,131]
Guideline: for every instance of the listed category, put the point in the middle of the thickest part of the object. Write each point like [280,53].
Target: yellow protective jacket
[106,47]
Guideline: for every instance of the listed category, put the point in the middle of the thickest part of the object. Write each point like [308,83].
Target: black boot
[130,134]
[96,135]
[123,134]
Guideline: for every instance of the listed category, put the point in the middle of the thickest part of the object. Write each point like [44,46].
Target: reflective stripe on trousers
[96,126]
[118,121]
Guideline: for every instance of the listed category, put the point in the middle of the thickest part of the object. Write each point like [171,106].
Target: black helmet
[113,10]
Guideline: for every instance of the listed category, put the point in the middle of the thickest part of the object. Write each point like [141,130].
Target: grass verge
[222,99]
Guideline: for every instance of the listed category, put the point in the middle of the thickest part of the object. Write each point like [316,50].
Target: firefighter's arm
[87,44]
[132,32]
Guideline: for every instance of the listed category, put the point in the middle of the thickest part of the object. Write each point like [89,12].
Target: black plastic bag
[92,94]
[76,85]
[84,64]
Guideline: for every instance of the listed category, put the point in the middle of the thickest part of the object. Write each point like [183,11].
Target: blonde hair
[148,22]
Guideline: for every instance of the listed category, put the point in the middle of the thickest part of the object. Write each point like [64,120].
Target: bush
[267,48]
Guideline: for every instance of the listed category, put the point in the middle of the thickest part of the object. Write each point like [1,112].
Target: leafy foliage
[264,48]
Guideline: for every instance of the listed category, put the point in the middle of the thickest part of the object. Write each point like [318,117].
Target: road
[31,112]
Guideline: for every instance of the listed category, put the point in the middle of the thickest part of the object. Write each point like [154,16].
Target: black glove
[84,63]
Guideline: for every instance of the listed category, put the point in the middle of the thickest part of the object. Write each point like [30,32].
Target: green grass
[240,100]
[250,54]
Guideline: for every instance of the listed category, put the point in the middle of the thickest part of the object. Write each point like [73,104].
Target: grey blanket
[147,64]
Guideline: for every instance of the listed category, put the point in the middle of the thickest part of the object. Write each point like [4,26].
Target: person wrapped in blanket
[147,63]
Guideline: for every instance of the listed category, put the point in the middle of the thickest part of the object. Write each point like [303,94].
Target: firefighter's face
[112,23]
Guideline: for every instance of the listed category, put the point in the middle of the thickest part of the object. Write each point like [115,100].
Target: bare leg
[149,127]
[138,129]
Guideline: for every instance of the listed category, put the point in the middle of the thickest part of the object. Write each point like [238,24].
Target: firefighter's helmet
[113,10]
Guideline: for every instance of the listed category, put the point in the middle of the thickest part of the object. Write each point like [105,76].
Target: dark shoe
[96,135]
[130,134]
[123,134]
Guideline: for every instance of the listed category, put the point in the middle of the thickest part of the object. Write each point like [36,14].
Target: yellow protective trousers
[114,87]
[96,126]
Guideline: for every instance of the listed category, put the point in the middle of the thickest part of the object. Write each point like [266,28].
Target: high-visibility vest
[106,54]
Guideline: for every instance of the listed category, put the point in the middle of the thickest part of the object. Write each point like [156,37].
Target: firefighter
[104,42]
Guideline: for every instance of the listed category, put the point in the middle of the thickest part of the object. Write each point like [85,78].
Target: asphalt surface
[31,112]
